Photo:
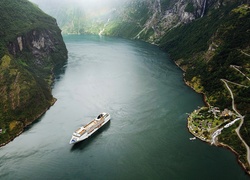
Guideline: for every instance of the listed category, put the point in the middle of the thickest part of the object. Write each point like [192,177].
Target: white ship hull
[86,131]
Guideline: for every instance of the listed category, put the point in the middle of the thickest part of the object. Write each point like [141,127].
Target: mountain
[77,17]
[31,50]
[209,40]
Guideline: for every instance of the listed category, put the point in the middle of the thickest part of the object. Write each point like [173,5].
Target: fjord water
[147,136]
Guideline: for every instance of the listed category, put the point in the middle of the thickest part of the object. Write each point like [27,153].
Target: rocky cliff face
[150,20]
[31,48]
[41,43]
[209,40]
[159,15]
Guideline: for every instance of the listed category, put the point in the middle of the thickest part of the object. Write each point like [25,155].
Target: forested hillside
[31,47]
[211,43]
[214,51]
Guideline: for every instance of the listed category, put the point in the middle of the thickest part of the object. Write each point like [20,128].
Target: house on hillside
[226,113]
[214,110]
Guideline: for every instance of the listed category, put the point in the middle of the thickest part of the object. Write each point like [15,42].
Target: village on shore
[206,121]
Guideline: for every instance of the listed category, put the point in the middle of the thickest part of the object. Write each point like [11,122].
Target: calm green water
[147,137]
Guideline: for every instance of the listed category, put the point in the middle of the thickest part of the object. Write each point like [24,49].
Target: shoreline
[30,123]
[219,144]
[222,145]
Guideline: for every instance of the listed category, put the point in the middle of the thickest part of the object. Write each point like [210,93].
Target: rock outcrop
[31,49]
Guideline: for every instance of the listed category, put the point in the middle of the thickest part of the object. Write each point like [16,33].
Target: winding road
[236,68]
[242,120]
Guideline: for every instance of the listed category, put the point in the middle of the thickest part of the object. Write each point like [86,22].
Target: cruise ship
[87,130]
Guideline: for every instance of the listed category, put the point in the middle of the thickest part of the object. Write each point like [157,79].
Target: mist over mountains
[85,4]
[208,39]
[76,17]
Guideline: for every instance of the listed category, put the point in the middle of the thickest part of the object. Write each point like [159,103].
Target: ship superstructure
[85,131]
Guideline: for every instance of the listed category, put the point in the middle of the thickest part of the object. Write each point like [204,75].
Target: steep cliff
[78,17]
[150,20]
[31,48]
[214,52]
[210,41]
